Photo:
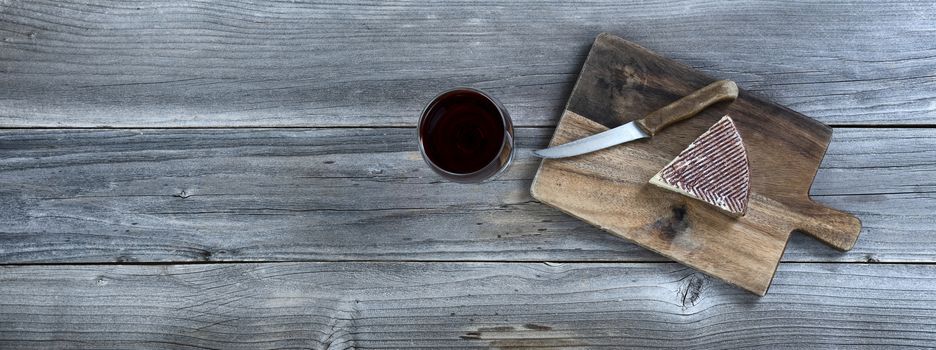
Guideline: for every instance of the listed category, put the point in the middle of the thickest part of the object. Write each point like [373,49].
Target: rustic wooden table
[244,174]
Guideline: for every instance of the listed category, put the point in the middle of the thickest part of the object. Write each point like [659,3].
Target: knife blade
[651,124]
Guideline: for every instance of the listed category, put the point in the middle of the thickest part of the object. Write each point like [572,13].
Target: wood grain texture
[464,305]
[364,194]
[609,188]
[90,63]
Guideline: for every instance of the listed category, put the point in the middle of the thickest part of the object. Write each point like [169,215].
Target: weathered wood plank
[441,305]
[357,193]
[878,161]
[281,63]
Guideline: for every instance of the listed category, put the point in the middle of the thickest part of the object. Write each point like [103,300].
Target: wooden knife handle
[688,106]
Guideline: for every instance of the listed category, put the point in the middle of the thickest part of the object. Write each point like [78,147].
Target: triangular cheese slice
[713,169]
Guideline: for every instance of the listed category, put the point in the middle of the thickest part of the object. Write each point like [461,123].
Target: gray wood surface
[365,194]
[358,244]
[92,63]
[462,305]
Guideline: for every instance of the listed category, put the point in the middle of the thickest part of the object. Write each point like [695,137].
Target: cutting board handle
[835,228]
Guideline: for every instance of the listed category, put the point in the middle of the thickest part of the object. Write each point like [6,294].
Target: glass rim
[505,121]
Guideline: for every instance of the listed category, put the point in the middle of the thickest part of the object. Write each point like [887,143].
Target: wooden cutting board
[622,81]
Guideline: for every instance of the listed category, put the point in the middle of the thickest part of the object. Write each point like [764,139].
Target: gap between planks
[259,127]
[427,261]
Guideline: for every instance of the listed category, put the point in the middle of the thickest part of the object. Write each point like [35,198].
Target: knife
[651,124]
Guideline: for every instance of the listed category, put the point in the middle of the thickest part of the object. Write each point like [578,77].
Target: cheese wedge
[713,169]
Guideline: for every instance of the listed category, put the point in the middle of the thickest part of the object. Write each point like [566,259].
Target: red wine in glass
[466,136]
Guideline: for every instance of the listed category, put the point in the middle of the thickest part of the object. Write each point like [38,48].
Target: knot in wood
[690,290]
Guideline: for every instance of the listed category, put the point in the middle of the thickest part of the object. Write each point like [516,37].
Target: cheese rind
[713,169]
